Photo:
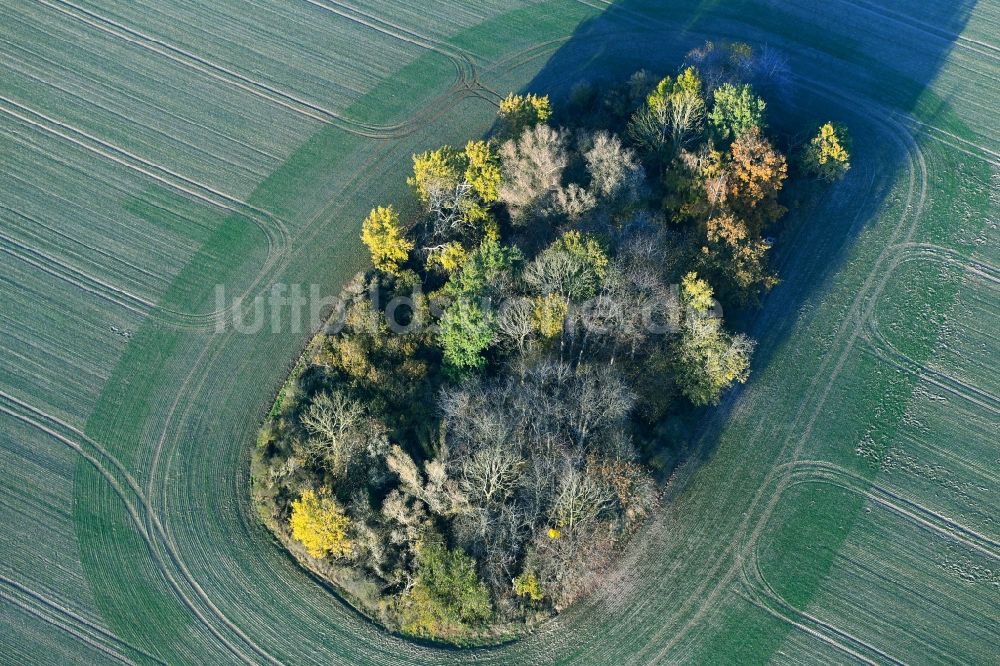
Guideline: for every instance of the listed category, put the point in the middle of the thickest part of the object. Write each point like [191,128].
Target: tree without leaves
[571,202]
[533,166]
[491,472]
[720,63]
[598,401]
[580,500]
[633,305]
[616,176]
[433,487]
[515,322]
[649,126]
[339,430]
[570,565]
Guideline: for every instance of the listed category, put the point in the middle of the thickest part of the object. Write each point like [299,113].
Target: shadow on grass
[824,55]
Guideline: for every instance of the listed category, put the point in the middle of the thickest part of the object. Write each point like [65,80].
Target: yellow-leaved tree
[827,155]
[697,293]
[482,170]
[319,524]
[527,586]
[520,112]
[549,314]
[449,257]
[456,187]
[434,172]
[385,239]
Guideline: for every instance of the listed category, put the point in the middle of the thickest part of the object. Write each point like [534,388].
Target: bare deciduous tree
[514,322]
[433,487]
[490,474]
[616,176]
[580,500]
[338,429]
[572,202]
[533,167]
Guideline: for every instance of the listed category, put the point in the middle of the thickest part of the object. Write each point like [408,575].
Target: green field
[841,507]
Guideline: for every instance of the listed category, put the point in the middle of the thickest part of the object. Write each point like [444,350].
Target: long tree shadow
[837,65]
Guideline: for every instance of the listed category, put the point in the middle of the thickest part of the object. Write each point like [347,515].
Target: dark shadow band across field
[834,76]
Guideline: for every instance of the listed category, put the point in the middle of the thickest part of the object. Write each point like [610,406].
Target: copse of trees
[472,462]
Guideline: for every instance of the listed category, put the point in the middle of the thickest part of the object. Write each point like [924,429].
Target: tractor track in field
[464,82]
[989,51]
[945,255]
[55,614]
[273,227]
[760,595]
[953,141]
[119,117]
[883,348]
[199,374]
[760,592]
[28,59]
[176,406]
[150,529]
[205,322]
[199,370]
[658,533]
[845,338]
[71,274]
[912,511]
[459,57]
[78,278]
[156,488]
[35,224]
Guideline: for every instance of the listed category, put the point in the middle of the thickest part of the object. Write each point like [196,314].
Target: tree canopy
[468,448]
[385,239]
[320,525]
[826,156]
[735,111]
[521,112]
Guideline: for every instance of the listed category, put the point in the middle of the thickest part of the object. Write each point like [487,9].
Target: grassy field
[842,507]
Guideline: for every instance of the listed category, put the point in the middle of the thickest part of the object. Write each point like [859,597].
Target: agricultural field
[841,507]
